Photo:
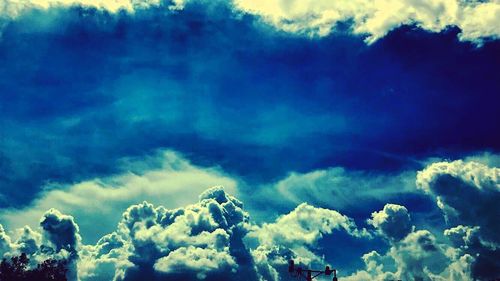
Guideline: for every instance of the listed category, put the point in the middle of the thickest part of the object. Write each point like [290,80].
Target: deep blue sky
[82,89]
[88,88]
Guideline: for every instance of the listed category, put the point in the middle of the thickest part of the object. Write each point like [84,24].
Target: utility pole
[310,274]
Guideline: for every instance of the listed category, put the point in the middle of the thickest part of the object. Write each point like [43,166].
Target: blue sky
[344,108]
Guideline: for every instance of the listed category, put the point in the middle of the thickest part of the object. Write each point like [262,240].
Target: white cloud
[304,226]
[216,233]
[5,242]
[476,174]
[201,241]
[201,260]
[192,241]
[417,256]
[370,18]
[376,18]
[97,204]
[295,235]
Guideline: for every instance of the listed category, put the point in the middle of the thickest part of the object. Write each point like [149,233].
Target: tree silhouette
[17,269]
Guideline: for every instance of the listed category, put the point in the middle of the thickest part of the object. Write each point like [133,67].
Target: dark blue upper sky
[81,88]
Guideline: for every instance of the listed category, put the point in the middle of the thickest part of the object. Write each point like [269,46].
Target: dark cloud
[393,221]
[29,241]
[61,239]
[468,194]
[60,230]
[419,256]
[462,190]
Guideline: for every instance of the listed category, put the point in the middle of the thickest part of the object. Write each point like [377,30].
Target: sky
[216,140]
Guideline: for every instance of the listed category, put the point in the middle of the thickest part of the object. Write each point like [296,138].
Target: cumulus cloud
[418,255]
[29,240]
[296,235]
[199,241]
[5,242]
[60,230]
[216,232]
[209,240]
[58,238]
[304,226]
[484,253]
[198,261]
[465,191]
[393,221]
[476,19]
[214,239]
[374,19]
[468,193]
[165,178]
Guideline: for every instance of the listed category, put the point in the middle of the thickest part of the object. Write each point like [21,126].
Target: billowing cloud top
[61,230]
[214,239]
[393,221]
[478,20]
[467,191]
[202,241]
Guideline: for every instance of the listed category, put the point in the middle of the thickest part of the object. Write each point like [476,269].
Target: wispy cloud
[97,204]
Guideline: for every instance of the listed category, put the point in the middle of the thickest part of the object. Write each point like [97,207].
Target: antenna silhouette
[310,274]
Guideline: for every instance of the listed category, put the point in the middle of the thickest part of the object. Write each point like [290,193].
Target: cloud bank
[477,20]
[202,241]
[216,239]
